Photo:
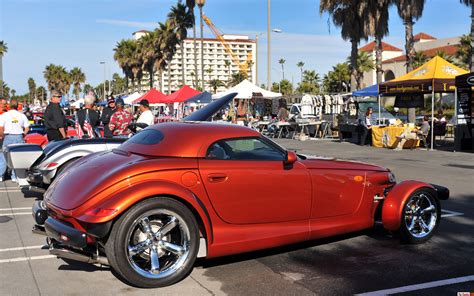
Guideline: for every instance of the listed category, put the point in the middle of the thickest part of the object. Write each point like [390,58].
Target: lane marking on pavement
[20,259]
[21,248]
[14,214]
[10,190]
[450,214]
[422,286]
[15,209]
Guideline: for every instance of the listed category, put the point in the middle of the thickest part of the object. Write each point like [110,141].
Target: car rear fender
[395,200]
[113,206]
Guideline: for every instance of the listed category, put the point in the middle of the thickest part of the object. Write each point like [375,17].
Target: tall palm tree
[168,42]
[348,15]
[181,20]
[470,3]
[124,55]
[463,54]
[409,11]
[376,25]
[282,63]
[364,63]
[200,4]
[41,93]
[57,78]
[191,4]
[150,53]
[311,77]
[301,65]
[31,89]
[3,51]
[77,78]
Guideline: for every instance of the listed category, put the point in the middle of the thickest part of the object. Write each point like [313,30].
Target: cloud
[132,24]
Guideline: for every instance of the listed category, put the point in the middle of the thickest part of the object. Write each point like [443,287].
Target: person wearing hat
[106,114]
[54,118]
[120,120]
[88,112]
[146,116]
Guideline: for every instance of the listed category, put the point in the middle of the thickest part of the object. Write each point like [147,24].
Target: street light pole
[269,59]
[103,63]
[200,4]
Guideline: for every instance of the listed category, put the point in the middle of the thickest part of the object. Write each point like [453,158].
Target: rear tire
[420,217]
[154,244]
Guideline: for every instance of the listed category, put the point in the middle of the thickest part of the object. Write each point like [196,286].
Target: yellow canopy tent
[436,75]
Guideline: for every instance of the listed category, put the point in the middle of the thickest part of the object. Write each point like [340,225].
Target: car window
[244,149]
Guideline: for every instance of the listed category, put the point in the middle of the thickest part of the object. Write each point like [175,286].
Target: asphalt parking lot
[364,262]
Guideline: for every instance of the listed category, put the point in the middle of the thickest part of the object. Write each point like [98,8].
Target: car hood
[320,162]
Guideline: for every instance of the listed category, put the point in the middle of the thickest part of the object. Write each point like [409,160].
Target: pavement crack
[209,291]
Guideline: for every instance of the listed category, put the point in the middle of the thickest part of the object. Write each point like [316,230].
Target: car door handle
[216,177]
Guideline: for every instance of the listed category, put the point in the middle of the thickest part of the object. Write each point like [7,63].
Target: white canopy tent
[77,104]
[245,90]
[128,100]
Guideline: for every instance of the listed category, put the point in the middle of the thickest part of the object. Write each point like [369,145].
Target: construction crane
[242,66]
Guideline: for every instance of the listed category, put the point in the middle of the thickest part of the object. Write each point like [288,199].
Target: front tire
[154,244]
[420,217]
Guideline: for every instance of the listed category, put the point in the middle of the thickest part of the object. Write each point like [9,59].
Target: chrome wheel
[420,215]
[158,244]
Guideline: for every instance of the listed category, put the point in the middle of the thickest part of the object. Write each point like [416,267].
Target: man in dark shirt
[88,112]
[106,114]
[54,118]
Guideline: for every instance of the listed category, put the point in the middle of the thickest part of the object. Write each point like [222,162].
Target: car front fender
[111,207]
[395,200]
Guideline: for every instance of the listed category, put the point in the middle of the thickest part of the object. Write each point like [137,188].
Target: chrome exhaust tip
[62,252]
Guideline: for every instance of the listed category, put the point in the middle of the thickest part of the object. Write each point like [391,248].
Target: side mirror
[291,158]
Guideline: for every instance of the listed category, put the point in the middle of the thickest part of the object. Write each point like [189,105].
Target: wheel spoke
[154,260]
[145,226]
[412,223]
[175,249]
[168,226]
[424,226]
[139,248]
[428,209]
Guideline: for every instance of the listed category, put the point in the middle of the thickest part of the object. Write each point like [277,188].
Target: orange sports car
[178,191]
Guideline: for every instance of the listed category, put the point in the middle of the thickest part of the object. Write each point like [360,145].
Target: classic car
[178,191]
[36,167]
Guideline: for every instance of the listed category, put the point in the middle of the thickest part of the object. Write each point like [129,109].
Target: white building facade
[214,61]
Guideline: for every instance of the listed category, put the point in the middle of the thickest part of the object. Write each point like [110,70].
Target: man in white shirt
[146,116]
[13,126]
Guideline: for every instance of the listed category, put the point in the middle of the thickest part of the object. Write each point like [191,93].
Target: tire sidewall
[117,242]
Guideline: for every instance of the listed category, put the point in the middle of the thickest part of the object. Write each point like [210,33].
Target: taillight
[99,212]
[51,165]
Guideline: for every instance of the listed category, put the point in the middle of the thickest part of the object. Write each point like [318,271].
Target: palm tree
[237,78]
[250,64]
[57,78]
[13,92]
[215,84]
[5,88]
[191,4]
[227,63]
[150,53]
[209,73]
[181,20]
[347,14]
[31,89]
[311,76]
[3,51]
[123,55]
[410,11]
[463,54]
[300,65]
[282,63]
[419,59]
[471,60]
[168,42]
[41,93]
[200,4]
[364,63]
[376,25]
[443,55]
[77,78]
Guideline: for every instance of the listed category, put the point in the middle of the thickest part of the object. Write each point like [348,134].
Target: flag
[87,125]
[77,126]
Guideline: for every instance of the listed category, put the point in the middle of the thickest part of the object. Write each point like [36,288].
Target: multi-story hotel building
[214,60]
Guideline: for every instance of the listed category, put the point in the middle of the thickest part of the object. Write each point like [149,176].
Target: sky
[83,33]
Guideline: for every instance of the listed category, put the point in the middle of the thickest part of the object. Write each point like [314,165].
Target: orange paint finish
[395,200]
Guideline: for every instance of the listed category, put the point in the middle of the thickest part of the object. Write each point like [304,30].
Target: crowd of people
[114,119]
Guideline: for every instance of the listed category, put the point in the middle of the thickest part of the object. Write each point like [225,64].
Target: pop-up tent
[202,98]
[369,91]
[246,90]
[436,75]
[129,99]
[153,96]
[181,95]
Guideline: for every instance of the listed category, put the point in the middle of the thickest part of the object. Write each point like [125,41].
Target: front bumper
[65,233]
